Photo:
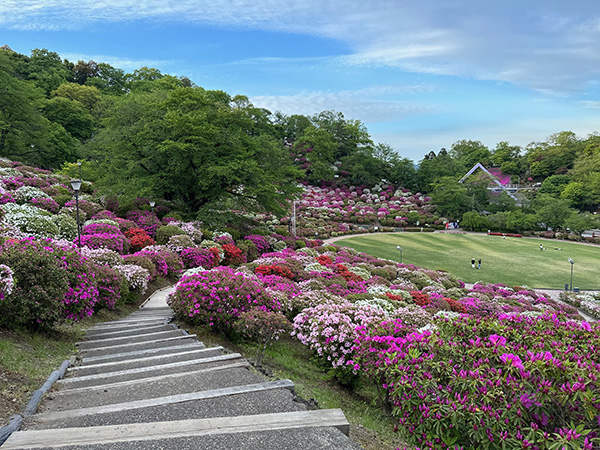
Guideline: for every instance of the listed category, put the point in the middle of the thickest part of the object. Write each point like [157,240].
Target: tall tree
[192,146]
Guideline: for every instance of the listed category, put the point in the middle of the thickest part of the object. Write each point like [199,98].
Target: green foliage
[163,234]
[193,147]
[451,197]
[474,221]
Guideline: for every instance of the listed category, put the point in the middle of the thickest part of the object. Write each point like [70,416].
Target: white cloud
[369,105]
[549,46]
[127,64]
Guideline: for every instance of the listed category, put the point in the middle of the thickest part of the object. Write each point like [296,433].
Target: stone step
[152,389]
[240,404]
[111,366]
[128,332]
[234,364]
[139,337]
[57,416]
[145,372]
[155,343]
[321,429]
[142,353]
[128,321]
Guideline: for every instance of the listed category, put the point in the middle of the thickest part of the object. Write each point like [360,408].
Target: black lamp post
[152,203]
[76,185]
[400,248]
[572,262]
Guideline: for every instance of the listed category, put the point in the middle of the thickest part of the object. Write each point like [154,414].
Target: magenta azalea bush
[507,382]
[218,297]
[262,326]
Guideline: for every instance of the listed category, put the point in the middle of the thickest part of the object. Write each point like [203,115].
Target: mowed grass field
[513,261]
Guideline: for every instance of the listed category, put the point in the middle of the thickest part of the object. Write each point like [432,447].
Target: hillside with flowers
[490,366]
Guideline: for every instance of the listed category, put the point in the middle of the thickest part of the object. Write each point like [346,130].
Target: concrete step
[128,331]
[128,321]
[240,404]
[141,353]
[152,389]
[310,430]
[147,361]
[232,364]
[144,336]
[155,343]
[145,372]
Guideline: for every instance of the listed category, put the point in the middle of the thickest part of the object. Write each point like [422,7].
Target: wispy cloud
[549,46]
[369,105]
[127,64]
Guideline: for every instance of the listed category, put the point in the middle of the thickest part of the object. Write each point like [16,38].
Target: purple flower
[514,360]
[497,340]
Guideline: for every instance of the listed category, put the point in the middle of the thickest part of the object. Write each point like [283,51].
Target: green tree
[551,211]
[467,153]
[72,115]
[194,147]
[47,70]
[555,156]
[315,149]
[578,223]
[473,221]
[452,198]
[554,185]
[433,167]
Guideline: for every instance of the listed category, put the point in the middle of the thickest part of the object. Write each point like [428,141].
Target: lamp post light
[79,164]
[76,185]
[400,248]
[152,203]
[571,285]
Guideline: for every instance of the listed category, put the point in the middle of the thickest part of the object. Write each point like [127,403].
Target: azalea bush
[477,383]
[198,257]
[167,263]
[218,297]
[138,239]
[7,282]
[262,326]
[112,285]
[136,276]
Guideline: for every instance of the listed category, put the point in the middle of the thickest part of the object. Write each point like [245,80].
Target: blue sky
[421,74]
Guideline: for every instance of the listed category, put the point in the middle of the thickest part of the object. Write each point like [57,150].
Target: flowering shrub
[179,243]
[47,204]
[116,242]
[7,282]
[146,220]
[168,264]
[261,243]
[138,239]
[67,227]
[31,220]
[112,286]
[281,271]
[102,256]
[263,326]
[87,206]
[197,257]
[27,193]
[136,276]
[42,282]
[142,261]
[125,224]
[218,297]
[498,391]
[329,329]
[233,255]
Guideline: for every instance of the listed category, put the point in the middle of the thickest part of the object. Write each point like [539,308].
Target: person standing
[479,264]
[473,263]
[541,248]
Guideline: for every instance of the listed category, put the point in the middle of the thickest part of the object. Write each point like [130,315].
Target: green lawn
[513,261]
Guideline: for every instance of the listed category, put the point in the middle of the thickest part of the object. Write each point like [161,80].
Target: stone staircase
[142,383]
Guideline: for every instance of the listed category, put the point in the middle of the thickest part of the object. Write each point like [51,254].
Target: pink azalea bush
[479,383]
[218,297]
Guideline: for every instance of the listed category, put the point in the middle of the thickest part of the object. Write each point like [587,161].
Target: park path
[143,383]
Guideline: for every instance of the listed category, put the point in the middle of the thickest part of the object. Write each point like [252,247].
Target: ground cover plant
[513,261]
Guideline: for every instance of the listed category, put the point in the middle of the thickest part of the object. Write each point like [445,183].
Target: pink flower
[514,360]
[497,340]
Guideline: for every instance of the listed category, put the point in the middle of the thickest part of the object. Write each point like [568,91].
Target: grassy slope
[513,261]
